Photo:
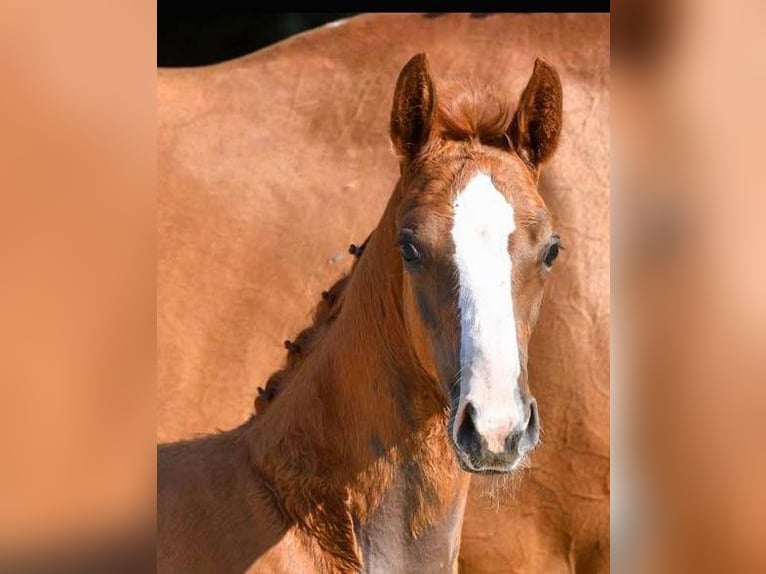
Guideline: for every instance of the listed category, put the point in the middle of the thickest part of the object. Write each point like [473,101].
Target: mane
[306,341]
[467,111]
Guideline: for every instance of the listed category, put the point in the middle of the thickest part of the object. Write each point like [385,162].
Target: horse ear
[536,125]
[414,105]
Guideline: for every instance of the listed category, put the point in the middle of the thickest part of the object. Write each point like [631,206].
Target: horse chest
[387,544]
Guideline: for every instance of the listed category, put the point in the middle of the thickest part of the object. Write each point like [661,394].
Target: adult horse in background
[269,165]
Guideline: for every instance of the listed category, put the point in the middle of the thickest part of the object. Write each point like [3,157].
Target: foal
[357,464]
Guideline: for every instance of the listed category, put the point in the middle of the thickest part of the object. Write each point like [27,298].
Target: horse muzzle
[497,448]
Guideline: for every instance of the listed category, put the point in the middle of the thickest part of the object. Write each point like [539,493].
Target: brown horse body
[238,228]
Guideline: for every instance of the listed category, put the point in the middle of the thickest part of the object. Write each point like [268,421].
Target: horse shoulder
[213,513]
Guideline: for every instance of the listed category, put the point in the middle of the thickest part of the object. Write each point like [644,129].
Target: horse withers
[414,373]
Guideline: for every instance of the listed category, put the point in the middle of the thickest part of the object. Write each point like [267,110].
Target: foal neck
[362,423]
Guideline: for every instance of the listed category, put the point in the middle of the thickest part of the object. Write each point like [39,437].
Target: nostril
[532,432]
[467,435]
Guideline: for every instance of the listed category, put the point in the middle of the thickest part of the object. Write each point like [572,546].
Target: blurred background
[689,287]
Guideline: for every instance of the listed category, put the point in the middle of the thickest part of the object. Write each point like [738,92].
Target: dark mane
[324,314]
[467,111]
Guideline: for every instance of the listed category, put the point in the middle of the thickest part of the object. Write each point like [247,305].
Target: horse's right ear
[414,105]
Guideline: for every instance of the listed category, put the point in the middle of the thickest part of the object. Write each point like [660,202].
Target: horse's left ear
[536,125]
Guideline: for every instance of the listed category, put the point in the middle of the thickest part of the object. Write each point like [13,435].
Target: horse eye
[409,252]
[552,252]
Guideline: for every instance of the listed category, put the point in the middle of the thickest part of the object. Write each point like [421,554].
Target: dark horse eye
[409,252]
[552,252]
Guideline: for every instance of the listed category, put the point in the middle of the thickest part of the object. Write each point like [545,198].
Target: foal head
[477,244]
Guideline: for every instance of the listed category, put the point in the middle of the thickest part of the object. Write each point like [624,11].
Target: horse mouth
[496,464]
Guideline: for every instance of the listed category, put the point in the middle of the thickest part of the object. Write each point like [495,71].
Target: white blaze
[489,350]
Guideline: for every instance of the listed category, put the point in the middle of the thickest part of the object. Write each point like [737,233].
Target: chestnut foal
[417,374]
